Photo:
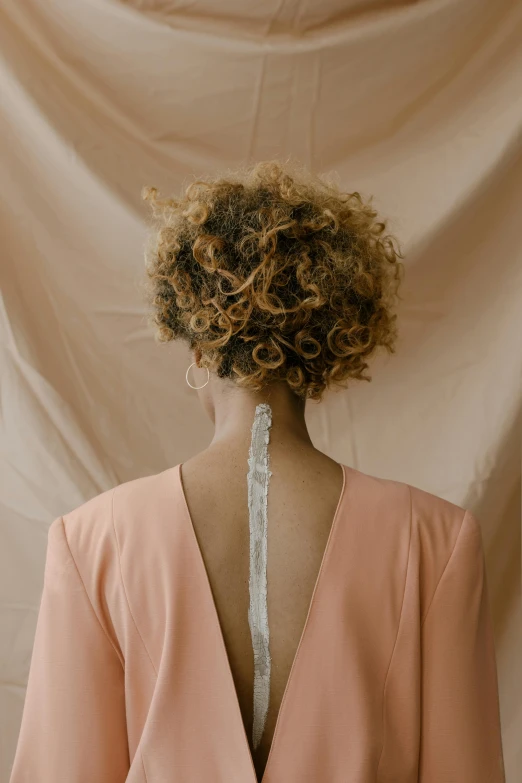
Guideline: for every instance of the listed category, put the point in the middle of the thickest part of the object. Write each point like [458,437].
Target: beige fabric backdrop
[419,103]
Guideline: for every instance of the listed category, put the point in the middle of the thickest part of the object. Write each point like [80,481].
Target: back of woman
[304,492]
[261,612]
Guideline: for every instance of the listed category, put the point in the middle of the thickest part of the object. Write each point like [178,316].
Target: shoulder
[440,526]
[91,528]
[431,514]
[436,527]
[92,542]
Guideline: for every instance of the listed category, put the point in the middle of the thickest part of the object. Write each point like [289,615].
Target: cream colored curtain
[419,103]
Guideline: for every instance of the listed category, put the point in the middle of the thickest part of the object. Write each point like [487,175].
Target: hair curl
[274,274]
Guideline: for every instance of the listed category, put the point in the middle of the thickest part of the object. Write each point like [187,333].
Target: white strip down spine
[258,480]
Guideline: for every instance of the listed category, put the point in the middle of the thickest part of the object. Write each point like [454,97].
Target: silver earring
[187,378]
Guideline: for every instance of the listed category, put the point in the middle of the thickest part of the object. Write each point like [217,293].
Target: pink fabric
[394,678]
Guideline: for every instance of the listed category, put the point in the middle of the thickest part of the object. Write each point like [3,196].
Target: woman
[261,612]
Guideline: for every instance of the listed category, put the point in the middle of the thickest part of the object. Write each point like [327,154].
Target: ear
[197,356]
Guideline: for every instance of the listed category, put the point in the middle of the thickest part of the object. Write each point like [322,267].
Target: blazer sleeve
[73,723]
[460,727]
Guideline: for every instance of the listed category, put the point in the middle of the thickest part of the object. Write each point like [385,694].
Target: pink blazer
[394,680]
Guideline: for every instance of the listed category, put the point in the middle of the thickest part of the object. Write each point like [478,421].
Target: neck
[233,410]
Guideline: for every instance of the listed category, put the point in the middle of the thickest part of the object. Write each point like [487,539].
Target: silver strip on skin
[258,480]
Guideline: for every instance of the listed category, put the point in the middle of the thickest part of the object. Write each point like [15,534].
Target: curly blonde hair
[274,274]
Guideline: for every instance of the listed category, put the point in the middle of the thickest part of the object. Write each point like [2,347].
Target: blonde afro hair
[274,274]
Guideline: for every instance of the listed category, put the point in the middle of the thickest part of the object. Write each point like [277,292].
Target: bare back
[304,491]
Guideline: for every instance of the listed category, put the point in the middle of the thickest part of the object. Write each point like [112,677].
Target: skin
[303,494]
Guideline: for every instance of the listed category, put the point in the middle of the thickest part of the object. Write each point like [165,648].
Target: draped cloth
[418,103]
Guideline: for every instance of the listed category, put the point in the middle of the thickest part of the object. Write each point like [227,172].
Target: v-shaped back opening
[227,669]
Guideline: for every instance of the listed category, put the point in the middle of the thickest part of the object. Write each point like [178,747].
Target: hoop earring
[187,378]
